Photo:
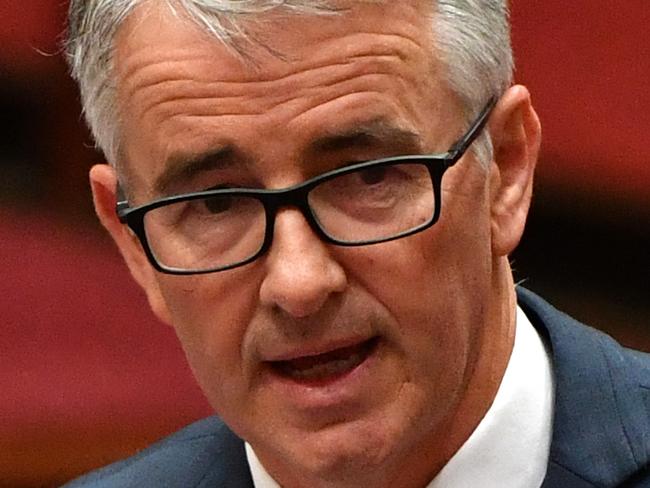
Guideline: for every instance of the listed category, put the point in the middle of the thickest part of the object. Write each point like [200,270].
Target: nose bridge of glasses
[296,198]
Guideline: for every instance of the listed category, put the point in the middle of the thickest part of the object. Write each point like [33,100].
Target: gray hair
[472,41]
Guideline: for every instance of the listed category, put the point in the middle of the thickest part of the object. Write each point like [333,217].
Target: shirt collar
[510,446]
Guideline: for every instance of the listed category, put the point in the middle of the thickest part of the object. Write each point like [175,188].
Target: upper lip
[315,349]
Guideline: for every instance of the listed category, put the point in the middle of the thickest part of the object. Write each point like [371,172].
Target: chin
[342,455]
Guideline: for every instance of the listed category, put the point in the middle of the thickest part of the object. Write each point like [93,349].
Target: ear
[103,182]
[516,137]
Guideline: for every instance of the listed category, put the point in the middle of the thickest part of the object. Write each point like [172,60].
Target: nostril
[300,284]
[297,299]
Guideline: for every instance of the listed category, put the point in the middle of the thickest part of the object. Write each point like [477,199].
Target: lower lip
[333,391]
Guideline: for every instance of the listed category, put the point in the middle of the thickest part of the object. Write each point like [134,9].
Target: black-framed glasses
[357,205]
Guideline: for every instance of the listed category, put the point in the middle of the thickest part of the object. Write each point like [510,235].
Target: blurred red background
[87,374]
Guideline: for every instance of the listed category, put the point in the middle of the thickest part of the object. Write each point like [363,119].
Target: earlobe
[103,182]
[516,137]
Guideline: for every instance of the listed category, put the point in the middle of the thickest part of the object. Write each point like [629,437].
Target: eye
[219,204]
[373,176]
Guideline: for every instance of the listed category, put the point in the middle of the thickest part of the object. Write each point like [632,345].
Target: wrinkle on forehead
[170,94]
[164,79]
[142,66]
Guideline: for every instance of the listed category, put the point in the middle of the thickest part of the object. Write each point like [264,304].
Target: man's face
[330,361]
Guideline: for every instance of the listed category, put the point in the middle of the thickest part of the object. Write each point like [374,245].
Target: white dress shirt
[510,446]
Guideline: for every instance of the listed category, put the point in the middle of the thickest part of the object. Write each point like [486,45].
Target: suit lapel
[558,476]
[229,468]
[600,422]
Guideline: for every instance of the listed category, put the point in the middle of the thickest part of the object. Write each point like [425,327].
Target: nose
[301,274]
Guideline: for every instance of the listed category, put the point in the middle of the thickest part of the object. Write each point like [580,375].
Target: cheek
[210,318]
[433,284]
[425,277]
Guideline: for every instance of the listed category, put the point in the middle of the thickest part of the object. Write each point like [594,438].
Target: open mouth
[327,366]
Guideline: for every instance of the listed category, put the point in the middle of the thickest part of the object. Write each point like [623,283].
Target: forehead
[306,71]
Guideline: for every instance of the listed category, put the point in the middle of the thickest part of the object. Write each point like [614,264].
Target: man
[320,197]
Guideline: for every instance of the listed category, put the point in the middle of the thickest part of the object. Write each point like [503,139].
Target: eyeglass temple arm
[122,203]
[479,124]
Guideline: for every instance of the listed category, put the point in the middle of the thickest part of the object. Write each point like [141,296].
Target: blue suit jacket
[601,428]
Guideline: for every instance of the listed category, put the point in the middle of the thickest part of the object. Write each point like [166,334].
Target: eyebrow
[181,167]
[377,131]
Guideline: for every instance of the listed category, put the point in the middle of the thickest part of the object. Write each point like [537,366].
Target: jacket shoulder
[639,368]
[640,364]
[194,456]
